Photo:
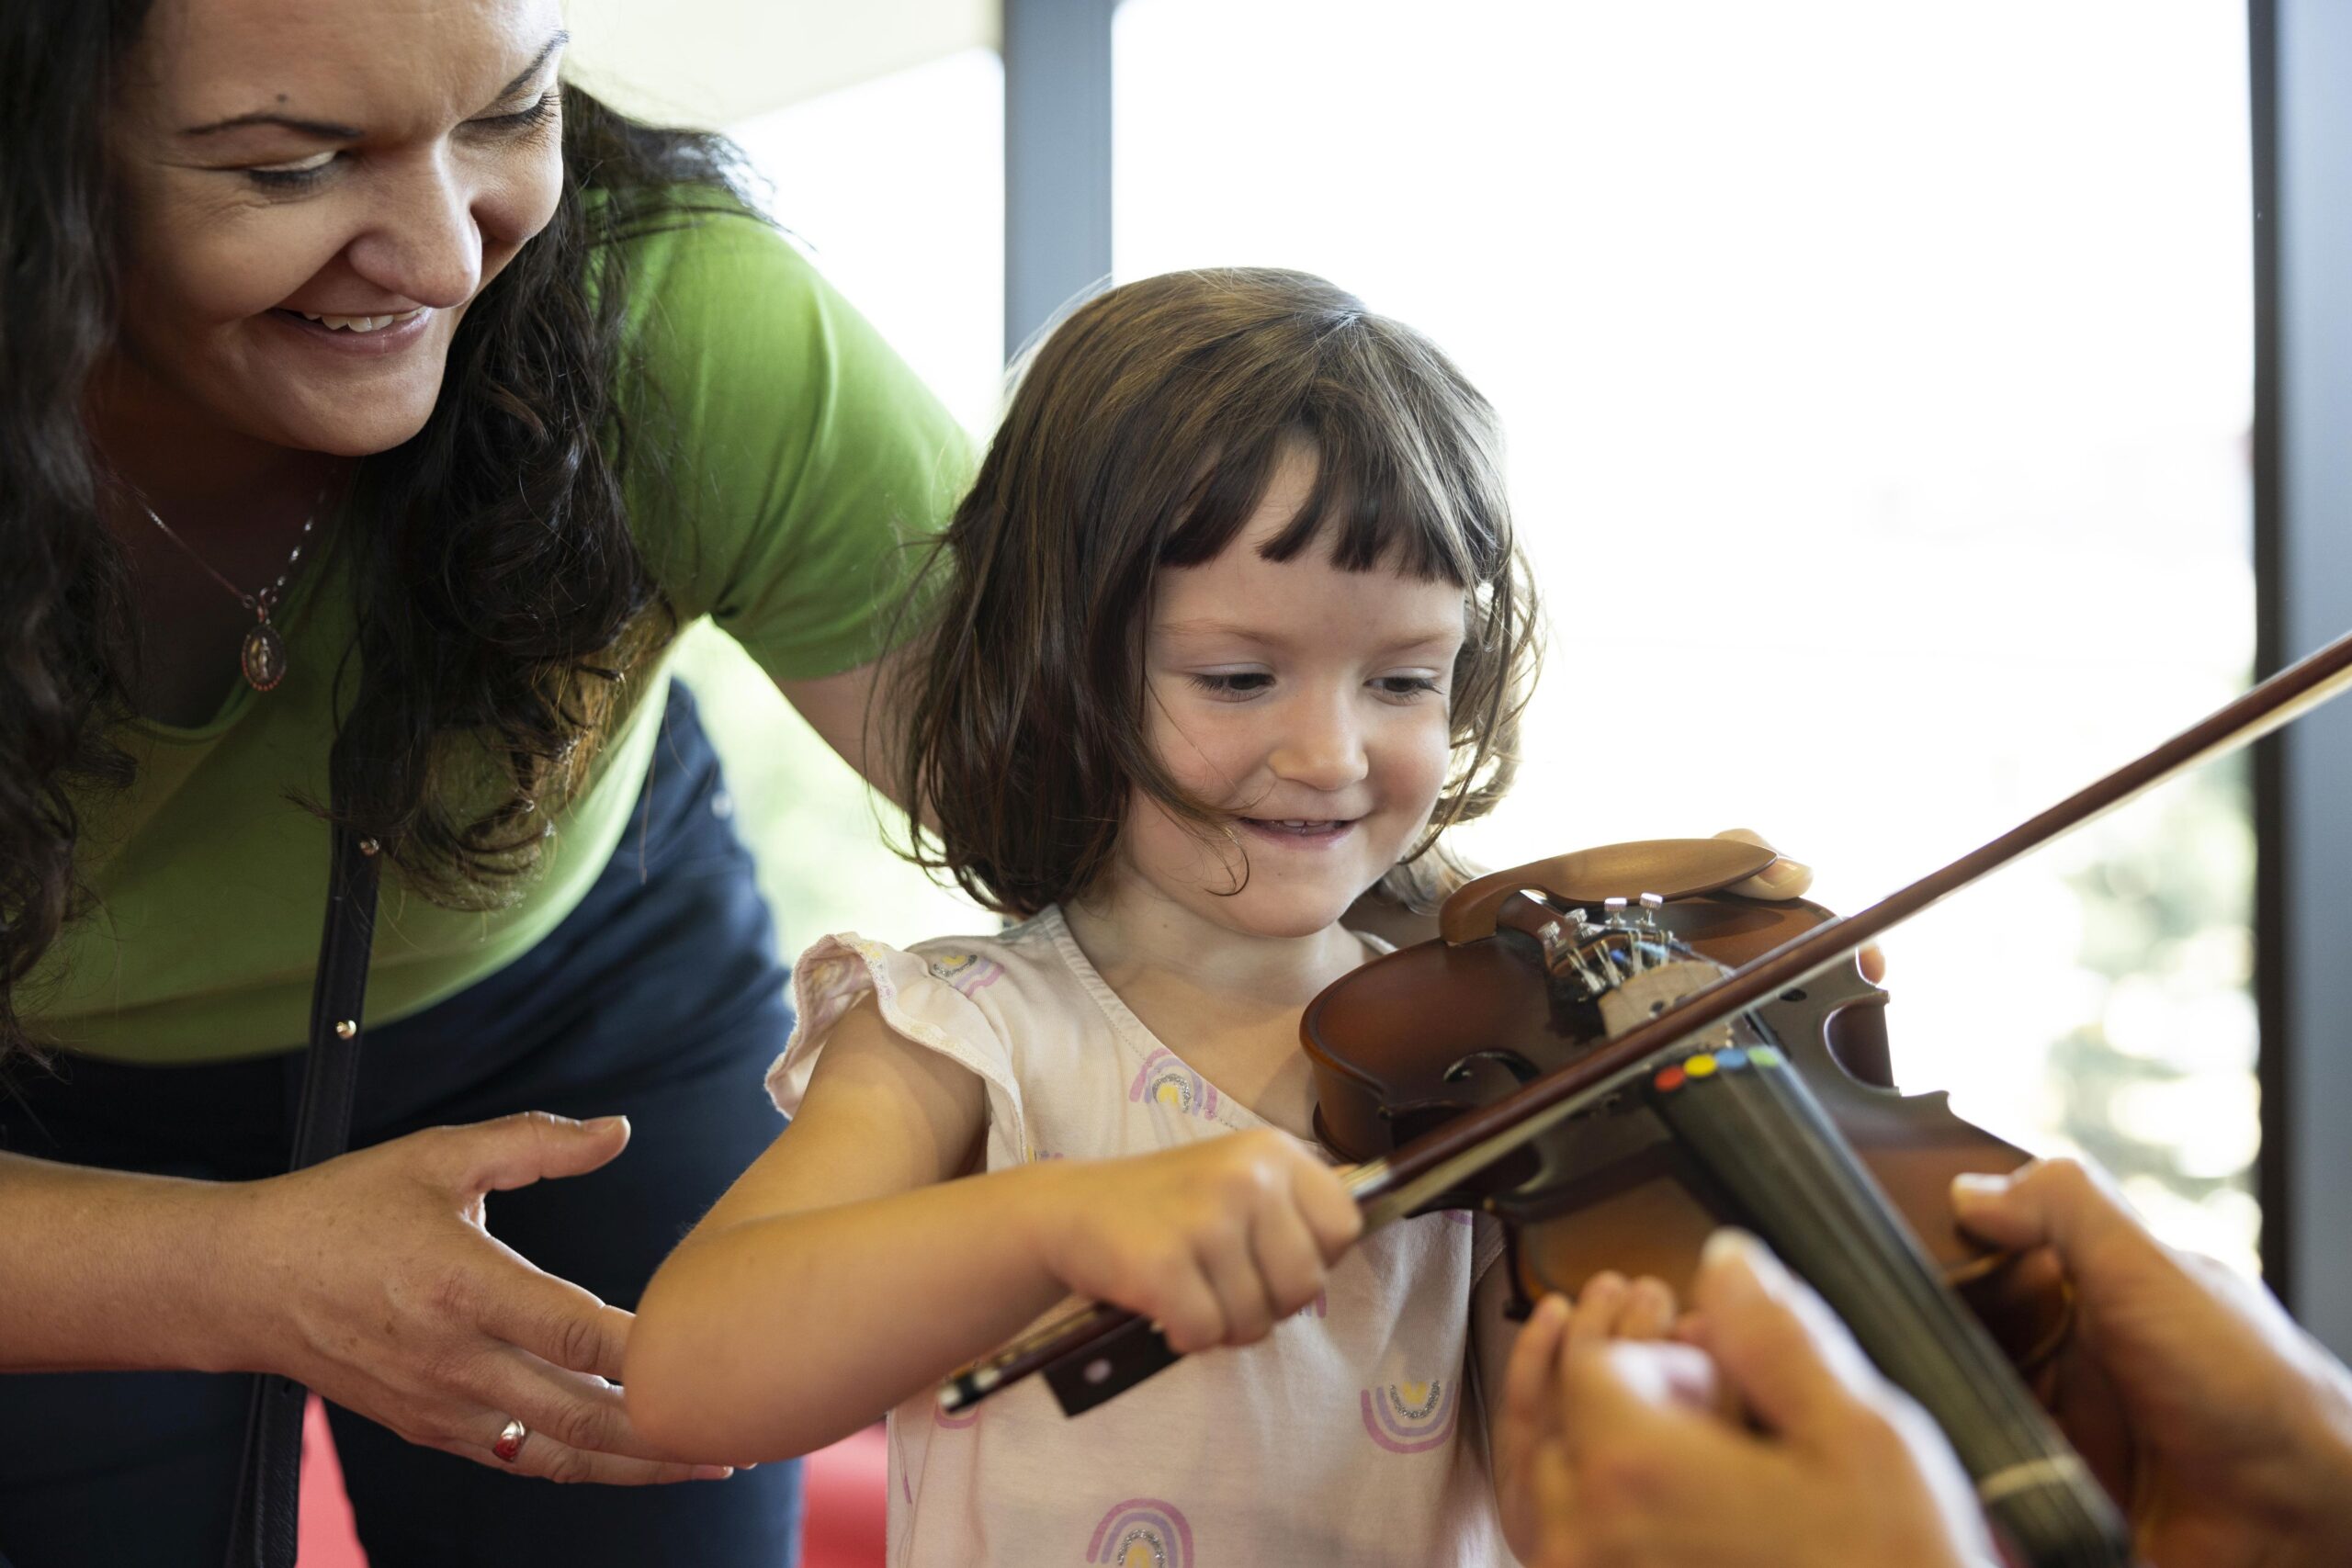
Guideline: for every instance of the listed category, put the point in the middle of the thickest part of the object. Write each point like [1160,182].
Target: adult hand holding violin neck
[353,491]
[2224,1428]
[1768,1439]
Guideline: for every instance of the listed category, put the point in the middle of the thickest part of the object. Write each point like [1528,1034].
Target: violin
[1782,1118]
[1538,964]
[1608,1086]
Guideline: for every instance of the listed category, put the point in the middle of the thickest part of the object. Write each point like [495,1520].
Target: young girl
[1232,623]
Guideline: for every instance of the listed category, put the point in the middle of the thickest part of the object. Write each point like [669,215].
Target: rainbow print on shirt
[1164,1080]
[1411,1418]
[968,972]
[1142,1533]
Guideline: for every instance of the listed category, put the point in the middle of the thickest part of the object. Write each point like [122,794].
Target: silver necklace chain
[264,602]
[262,657]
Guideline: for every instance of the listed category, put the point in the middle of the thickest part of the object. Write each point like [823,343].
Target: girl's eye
[1406,687]
[301,172]
[1240,684]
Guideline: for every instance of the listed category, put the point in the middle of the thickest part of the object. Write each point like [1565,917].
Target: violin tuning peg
[1651,903]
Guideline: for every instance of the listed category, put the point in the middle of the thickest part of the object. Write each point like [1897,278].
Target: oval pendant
[264,656]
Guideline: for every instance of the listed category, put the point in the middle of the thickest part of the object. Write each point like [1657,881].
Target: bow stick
[1102,1350]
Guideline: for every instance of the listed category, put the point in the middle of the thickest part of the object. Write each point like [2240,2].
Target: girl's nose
[426,244]
[1321,747]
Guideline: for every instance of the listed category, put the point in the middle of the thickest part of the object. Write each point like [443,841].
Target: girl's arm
[848,1268]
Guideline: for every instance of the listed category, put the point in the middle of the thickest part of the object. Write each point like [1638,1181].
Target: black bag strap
[269,1483]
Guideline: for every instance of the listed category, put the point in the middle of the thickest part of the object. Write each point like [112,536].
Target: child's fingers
[1331,1213]
[1649,1310]
[1530,1393]
[1177,1296]
[1289,1260]
[1597,1306]
[1230,1268]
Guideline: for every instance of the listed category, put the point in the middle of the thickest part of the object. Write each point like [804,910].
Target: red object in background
[847,1489]
[328,1539]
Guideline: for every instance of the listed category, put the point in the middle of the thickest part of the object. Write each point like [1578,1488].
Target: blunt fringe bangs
[1144,434]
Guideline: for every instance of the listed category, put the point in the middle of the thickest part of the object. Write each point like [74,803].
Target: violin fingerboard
[1747,1118]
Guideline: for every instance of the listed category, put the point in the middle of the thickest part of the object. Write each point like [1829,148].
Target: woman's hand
[371,1279]
[1528,1413]
[1215,1242]
[1830,1465]
[2226,1427]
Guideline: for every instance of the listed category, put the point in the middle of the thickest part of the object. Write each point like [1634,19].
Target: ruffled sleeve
[921,1001]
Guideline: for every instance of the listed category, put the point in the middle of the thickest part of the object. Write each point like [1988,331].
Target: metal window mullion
[1056,157]
[2302,91]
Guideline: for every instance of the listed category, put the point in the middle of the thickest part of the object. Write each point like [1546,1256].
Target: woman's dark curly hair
[501,595]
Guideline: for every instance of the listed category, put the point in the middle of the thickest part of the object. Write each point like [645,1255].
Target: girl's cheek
[1420,763]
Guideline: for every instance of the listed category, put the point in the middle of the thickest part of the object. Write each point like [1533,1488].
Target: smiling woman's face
[313,196]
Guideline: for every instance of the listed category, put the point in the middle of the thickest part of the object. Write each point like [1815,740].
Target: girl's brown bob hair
[1143,435]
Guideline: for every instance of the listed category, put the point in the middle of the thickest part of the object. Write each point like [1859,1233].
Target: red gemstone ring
[510,1441]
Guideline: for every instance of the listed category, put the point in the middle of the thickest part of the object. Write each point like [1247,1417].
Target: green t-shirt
[799,455]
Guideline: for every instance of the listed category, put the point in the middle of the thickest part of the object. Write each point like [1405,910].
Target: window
[1877,381]
[895,187]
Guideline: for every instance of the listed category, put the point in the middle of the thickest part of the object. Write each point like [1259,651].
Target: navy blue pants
[660,997]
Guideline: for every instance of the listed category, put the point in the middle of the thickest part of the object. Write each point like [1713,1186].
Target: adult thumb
[533,1146]
[2060,1203]
[1781,1349]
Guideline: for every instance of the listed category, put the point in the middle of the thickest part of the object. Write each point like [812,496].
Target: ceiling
[713,63]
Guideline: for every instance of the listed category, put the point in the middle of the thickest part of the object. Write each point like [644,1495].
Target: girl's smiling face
[1307,703]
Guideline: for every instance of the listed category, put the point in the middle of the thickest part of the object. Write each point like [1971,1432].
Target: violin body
[1419,1035]
[1781,1117]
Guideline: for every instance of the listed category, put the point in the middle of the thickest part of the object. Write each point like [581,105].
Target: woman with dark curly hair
[370,422]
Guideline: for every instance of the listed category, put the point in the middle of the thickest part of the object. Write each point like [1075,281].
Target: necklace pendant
[263,657]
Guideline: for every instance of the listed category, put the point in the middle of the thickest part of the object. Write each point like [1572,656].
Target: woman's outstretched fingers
[575,1410]
[557,1321]
[541,1455]
[531,1145]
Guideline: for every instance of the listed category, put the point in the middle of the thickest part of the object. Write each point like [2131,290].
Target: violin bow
[1102,1350]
